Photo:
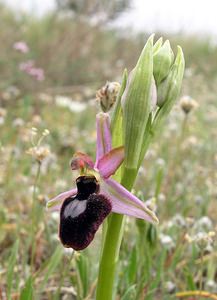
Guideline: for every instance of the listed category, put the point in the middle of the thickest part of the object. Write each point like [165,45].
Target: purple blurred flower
[37,73]
[83,209]
[27,65]
[29,68]
[21,47]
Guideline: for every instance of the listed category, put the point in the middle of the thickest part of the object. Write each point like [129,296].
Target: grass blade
[11,266]
[27,291]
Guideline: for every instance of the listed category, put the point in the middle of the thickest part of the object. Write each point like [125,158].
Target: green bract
[136,105]
[116,120]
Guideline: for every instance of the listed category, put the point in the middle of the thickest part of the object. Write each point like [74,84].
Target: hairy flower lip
[81,215]
[107,162]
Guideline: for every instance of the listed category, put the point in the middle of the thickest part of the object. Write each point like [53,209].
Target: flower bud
[162,60]
[169,89]
[157,45]
[188,104]
[107,95]
[153,95]
[136,104]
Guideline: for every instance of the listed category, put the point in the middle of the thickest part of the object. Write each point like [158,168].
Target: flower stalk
[33,215]
[110,252]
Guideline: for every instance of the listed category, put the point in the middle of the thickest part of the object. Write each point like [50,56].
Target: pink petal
[104,143]
[110,162]
[124,202]
[56,203]
[81,160]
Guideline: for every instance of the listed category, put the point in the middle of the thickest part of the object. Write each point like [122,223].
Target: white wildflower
[167,241]
[170,287]
[67,102]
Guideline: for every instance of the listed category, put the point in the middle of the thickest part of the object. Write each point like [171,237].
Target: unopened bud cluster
[148,95]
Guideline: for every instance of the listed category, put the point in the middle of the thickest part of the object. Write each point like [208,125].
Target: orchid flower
[83,209]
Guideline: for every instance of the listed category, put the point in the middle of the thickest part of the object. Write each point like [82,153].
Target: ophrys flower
[84,208]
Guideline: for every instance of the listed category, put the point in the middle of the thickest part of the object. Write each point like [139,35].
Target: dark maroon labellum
[81,215]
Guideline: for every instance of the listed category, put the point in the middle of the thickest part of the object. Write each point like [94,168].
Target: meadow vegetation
[43,122]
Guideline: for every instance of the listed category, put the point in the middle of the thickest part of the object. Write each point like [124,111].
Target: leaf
[27,291]
[190,280]
[159,273]
[83,272]
[53,263]
[159,179]
[132,267]
[130,293]
[11,265]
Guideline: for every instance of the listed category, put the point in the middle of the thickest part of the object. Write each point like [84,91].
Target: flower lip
[82,214]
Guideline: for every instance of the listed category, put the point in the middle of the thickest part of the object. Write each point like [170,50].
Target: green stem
[109,258]
[34,217]
[111,247]
[201,271]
